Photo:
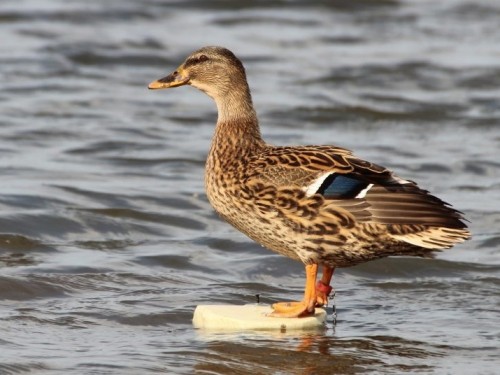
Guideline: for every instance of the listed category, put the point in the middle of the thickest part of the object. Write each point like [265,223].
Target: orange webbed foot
[304,307]
[292,309]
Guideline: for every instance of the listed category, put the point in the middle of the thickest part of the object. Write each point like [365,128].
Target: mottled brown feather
[265,191]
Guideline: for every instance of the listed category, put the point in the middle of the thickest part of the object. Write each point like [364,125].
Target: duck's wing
[369,192]
[298,166]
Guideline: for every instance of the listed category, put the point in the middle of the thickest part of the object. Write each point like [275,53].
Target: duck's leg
[323,288]
[304,307]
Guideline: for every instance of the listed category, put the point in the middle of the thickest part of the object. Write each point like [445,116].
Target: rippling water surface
[107,241]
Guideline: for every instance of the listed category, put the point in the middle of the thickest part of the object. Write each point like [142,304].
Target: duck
[317,204]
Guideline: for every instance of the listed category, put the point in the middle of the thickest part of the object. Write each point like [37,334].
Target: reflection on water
[108,243]
[310,353]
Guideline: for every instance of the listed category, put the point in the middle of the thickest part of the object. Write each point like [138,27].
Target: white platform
[251,317]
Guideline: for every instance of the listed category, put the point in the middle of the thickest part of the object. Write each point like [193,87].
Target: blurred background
[107,241]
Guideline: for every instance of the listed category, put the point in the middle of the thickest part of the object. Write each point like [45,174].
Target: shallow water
[107,241]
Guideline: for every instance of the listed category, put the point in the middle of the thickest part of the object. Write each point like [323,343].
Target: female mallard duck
[317,204]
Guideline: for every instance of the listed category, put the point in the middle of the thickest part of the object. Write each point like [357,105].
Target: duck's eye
[196,60]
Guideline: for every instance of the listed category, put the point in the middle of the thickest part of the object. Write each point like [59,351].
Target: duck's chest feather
[247,206]
[227,168]
[226,176]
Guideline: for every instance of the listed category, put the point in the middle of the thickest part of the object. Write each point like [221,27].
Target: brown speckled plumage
[292,200]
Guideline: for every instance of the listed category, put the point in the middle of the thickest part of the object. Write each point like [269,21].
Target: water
[107,241]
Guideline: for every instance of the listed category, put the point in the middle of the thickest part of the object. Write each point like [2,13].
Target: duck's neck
[237,124]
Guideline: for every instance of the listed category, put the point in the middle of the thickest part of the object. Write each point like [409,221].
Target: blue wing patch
[337,186]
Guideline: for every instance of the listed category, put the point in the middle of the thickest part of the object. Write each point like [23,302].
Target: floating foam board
[251,317]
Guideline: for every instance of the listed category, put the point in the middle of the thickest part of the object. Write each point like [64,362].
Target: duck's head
[213,70]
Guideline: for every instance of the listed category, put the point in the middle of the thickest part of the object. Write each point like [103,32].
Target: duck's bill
[172,80]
